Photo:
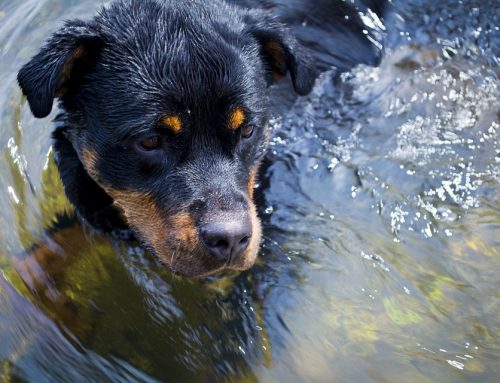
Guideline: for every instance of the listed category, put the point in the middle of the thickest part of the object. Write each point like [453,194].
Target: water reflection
[380,207]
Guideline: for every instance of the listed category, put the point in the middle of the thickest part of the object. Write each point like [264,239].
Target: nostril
[221,243]
[227,239]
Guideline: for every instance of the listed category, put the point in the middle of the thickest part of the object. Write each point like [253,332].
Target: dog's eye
[247,131]
[150,143]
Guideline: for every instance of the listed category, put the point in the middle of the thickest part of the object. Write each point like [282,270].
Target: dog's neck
[91,201]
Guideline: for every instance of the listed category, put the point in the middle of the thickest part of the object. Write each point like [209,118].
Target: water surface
[380,203]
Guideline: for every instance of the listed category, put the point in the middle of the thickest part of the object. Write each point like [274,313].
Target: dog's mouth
[189,247]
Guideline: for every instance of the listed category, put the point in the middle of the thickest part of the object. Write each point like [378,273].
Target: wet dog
[164,123]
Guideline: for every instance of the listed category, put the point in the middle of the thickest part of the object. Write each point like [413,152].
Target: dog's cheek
[138,209]
[254,170]
[173,239]
[251,183]
[182,241]
[252,251]
[142,215]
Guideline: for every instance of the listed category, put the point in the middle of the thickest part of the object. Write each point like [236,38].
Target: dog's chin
[203,265]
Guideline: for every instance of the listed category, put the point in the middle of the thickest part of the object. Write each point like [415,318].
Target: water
[380,205]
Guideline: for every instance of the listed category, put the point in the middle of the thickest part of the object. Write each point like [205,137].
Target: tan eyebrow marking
[237,118]
[173,122]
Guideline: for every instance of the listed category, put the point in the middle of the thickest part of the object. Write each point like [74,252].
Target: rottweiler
[165,121]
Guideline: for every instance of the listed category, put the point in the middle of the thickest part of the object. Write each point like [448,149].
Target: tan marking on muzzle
[252,250]
[165,234]
[142,215]
[251,183]
[184,231]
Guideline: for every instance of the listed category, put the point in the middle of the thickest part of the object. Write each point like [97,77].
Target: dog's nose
[227,240]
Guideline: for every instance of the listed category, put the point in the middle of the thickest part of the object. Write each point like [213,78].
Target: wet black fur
[117,75]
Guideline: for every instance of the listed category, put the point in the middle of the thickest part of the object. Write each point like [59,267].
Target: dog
[165,122]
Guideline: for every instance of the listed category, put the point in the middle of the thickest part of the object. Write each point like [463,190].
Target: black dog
[164,123]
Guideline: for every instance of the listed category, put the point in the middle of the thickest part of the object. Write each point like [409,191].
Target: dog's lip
[216,267]
[205,273]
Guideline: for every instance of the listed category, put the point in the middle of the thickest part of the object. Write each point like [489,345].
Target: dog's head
[166,108]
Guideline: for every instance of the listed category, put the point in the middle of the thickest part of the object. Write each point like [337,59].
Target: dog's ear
[60,66]
[282,53]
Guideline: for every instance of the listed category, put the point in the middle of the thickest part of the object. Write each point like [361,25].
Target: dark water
[381,217]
